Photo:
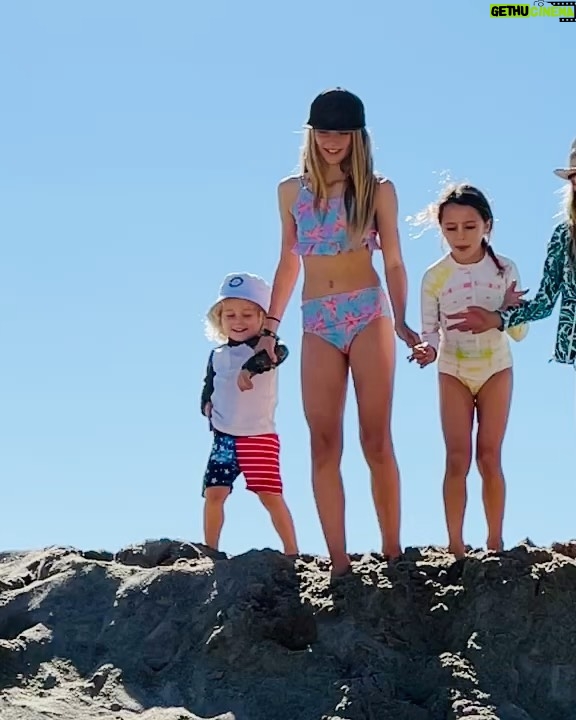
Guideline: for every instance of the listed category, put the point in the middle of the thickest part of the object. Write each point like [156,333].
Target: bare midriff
[342,273]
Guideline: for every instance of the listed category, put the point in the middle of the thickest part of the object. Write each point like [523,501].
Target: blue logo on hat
[235,281]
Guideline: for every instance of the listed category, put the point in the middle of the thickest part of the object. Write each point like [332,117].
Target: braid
[486,245]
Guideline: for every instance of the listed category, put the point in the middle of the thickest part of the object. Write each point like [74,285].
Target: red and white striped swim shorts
[257,457]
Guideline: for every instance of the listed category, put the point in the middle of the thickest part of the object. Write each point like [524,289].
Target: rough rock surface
[171,631]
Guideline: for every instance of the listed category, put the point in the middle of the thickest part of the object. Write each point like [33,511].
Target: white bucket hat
[244,286]
[567,172]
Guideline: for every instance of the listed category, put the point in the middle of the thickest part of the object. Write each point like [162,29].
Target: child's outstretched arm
[207,387]
[518,332]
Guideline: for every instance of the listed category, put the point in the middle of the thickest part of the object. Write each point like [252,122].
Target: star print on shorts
[257,457]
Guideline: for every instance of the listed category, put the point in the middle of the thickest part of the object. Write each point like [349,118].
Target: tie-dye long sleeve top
[448,287]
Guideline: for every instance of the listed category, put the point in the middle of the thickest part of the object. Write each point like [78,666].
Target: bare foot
[392,552]
[340,575]
[340,567]
[458,550]
[495,545]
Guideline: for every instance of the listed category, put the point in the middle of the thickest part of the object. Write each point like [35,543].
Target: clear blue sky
[140,149]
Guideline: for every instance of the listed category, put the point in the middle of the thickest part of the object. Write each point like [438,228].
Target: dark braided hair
[469,196]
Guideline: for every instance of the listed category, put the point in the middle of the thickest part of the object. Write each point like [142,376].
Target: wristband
[269,333]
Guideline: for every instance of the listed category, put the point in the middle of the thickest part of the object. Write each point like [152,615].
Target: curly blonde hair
[213,324]
[213,328]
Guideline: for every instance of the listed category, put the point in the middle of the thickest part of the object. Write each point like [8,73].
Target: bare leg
[457,414]
[372,360]
[493,401]
[324,382]
[281,519]
[214,514]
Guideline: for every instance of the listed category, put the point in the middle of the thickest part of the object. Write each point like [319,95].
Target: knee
[458,463]
[216,496]
[326,445]
[489,462]
[270,500]
[376,446]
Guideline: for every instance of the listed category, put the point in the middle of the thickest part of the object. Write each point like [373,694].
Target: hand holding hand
[423,354]
[406,334]
[268,344]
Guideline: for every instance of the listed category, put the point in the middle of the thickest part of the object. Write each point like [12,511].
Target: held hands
[423,354]
[268,344]
[265,358]
[406,334]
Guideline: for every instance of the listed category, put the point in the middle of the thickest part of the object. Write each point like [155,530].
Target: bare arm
[387,220]
[289,264]
[430,312]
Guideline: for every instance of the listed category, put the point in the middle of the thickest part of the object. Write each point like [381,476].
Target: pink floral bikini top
[324,232]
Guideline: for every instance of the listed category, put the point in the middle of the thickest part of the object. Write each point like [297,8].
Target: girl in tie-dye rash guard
[475,371]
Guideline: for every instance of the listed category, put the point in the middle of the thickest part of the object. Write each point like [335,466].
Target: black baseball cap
[337,110]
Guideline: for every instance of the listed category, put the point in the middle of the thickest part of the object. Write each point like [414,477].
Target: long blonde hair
[567,215]
[360,183]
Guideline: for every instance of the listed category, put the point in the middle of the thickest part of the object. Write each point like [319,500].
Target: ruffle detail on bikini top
[324,231]
[330,247]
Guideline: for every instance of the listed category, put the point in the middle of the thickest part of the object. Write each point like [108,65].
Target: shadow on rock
[172,627]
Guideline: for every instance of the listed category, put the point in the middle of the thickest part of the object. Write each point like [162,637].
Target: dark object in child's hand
[261,361]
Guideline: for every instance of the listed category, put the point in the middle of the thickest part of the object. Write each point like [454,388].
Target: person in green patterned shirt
[558,280]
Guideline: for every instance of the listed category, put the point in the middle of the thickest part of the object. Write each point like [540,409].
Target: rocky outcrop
[173,631]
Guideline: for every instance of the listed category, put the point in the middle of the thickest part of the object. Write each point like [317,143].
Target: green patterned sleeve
[542,304]
[516,332]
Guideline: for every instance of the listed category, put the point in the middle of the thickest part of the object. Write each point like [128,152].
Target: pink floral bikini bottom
[339,318]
